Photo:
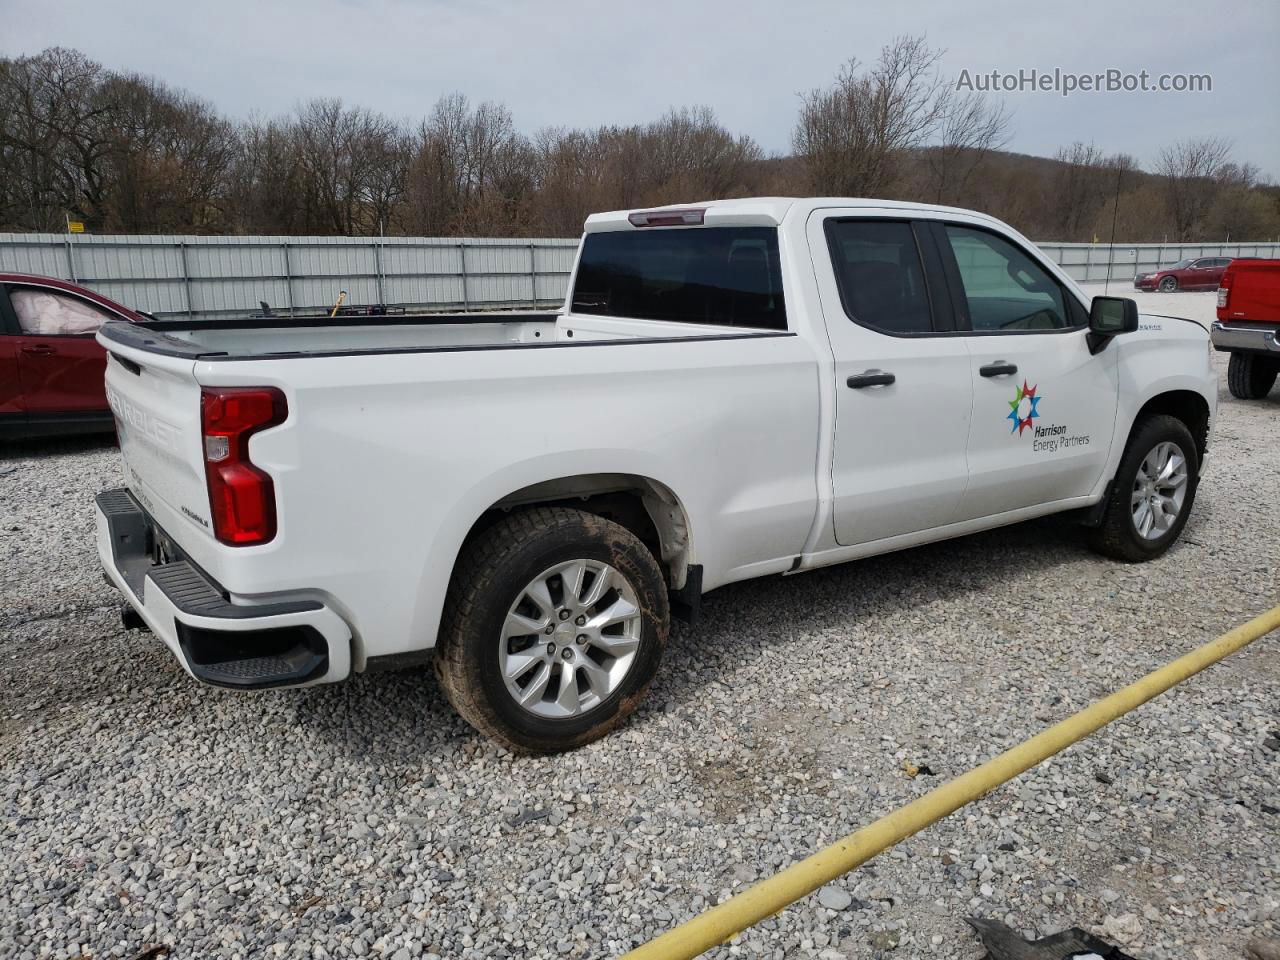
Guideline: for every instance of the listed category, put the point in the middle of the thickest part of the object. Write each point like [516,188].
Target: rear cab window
[726,276]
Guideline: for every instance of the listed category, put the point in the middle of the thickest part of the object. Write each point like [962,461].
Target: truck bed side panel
[386,461]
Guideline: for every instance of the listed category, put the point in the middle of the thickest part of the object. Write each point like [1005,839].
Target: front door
[61,366]
[903,389]
[1044,405]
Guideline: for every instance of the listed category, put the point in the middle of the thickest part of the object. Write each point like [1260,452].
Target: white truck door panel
[1042,433]
[1044,405]
[898,462]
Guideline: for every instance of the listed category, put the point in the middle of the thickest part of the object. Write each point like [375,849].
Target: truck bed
[261,338]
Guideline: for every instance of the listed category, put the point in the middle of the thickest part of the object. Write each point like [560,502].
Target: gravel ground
[138,808]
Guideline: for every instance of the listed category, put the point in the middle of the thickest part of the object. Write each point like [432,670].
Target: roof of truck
[761,211]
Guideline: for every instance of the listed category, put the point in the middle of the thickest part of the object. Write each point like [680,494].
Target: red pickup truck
[51,367]
[1248,326]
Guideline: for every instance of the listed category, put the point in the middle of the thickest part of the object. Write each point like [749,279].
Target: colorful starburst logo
[1023,408]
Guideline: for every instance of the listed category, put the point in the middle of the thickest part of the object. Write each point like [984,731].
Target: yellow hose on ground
[767,897]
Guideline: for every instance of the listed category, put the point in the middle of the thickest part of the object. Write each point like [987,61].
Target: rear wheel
[1153,492]
[553,629]
[1169,284]
[1251,377]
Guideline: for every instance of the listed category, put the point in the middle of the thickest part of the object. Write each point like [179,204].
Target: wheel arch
[1185,405]
[647,507]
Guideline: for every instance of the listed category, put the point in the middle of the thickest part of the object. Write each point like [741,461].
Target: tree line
[126,153]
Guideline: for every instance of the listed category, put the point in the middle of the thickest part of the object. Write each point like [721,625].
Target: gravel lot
[138,808]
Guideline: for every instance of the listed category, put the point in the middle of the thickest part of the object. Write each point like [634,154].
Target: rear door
[60,365]
[903,389]
[1220,265]
[1204,274]
[1044,404]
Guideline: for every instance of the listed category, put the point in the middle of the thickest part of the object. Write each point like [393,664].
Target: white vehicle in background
[733,389]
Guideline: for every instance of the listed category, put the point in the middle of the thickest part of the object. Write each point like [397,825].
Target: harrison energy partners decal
[1024,414]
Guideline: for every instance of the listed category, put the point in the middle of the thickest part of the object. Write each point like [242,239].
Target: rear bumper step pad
[254,658]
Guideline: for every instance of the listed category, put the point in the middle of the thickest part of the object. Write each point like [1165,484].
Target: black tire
[1168,285]
[1117,536]
[491,575]
[1251,377]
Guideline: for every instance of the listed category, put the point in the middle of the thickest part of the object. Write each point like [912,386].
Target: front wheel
[1152,494]
[1169,284]
[554,625]
[1251,377]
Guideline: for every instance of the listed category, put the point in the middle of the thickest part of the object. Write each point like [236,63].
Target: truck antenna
[1111,247]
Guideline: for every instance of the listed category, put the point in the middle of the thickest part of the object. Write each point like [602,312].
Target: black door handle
[998,369]
[872,378]
[39,350]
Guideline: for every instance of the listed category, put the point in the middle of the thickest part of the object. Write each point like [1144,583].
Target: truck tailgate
[156,402]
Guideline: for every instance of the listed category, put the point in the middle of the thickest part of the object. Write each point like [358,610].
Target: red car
[51,367]
[1201,273]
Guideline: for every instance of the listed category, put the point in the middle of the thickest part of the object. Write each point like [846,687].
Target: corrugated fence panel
[206,277]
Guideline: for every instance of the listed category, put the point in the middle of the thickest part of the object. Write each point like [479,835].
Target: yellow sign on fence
[75,226]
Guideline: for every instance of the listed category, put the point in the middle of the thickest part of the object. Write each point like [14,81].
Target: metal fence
[206,277]
[1090,262]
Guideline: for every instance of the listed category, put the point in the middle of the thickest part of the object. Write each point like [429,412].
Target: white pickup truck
[733,389]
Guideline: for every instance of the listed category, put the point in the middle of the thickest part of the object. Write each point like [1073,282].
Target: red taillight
[667,218]
[1224,291]
[241,497]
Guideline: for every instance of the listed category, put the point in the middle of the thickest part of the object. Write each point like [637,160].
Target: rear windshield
[722,275]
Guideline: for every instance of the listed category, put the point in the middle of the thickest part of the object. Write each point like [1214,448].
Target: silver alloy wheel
[1159,490]
[1168,284]
[570,638]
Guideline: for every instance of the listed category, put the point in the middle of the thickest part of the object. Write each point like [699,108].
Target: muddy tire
[1154,490]
[1251,377]
[553,629]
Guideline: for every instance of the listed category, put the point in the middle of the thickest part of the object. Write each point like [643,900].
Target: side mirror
[1109,317]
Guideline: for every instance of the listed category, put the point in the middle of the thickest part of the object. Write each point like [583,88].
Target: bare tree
[168,159]
[1190,170]
[853,134]
[1079,188]
[55,127]
[970,128]
[352,164]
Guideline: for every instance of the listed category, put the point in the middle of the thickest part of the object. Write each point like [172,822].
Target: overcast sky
[578,63]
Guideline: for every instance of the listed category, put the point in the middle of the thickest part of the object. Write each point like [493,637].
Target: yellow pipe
[767,897]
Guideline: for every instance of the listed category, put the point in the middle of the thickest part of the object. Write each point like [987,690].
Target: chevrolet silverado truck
[732,389]
[1248,326]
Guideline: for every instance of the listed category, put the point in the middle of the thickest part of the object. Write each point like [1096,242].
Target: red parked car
[1248,327]
[1200,273]
[51,367]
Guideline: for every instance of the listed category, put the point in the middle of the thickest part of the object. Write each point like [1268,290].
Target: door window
[1005,289]
[880,275]
[44,313]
